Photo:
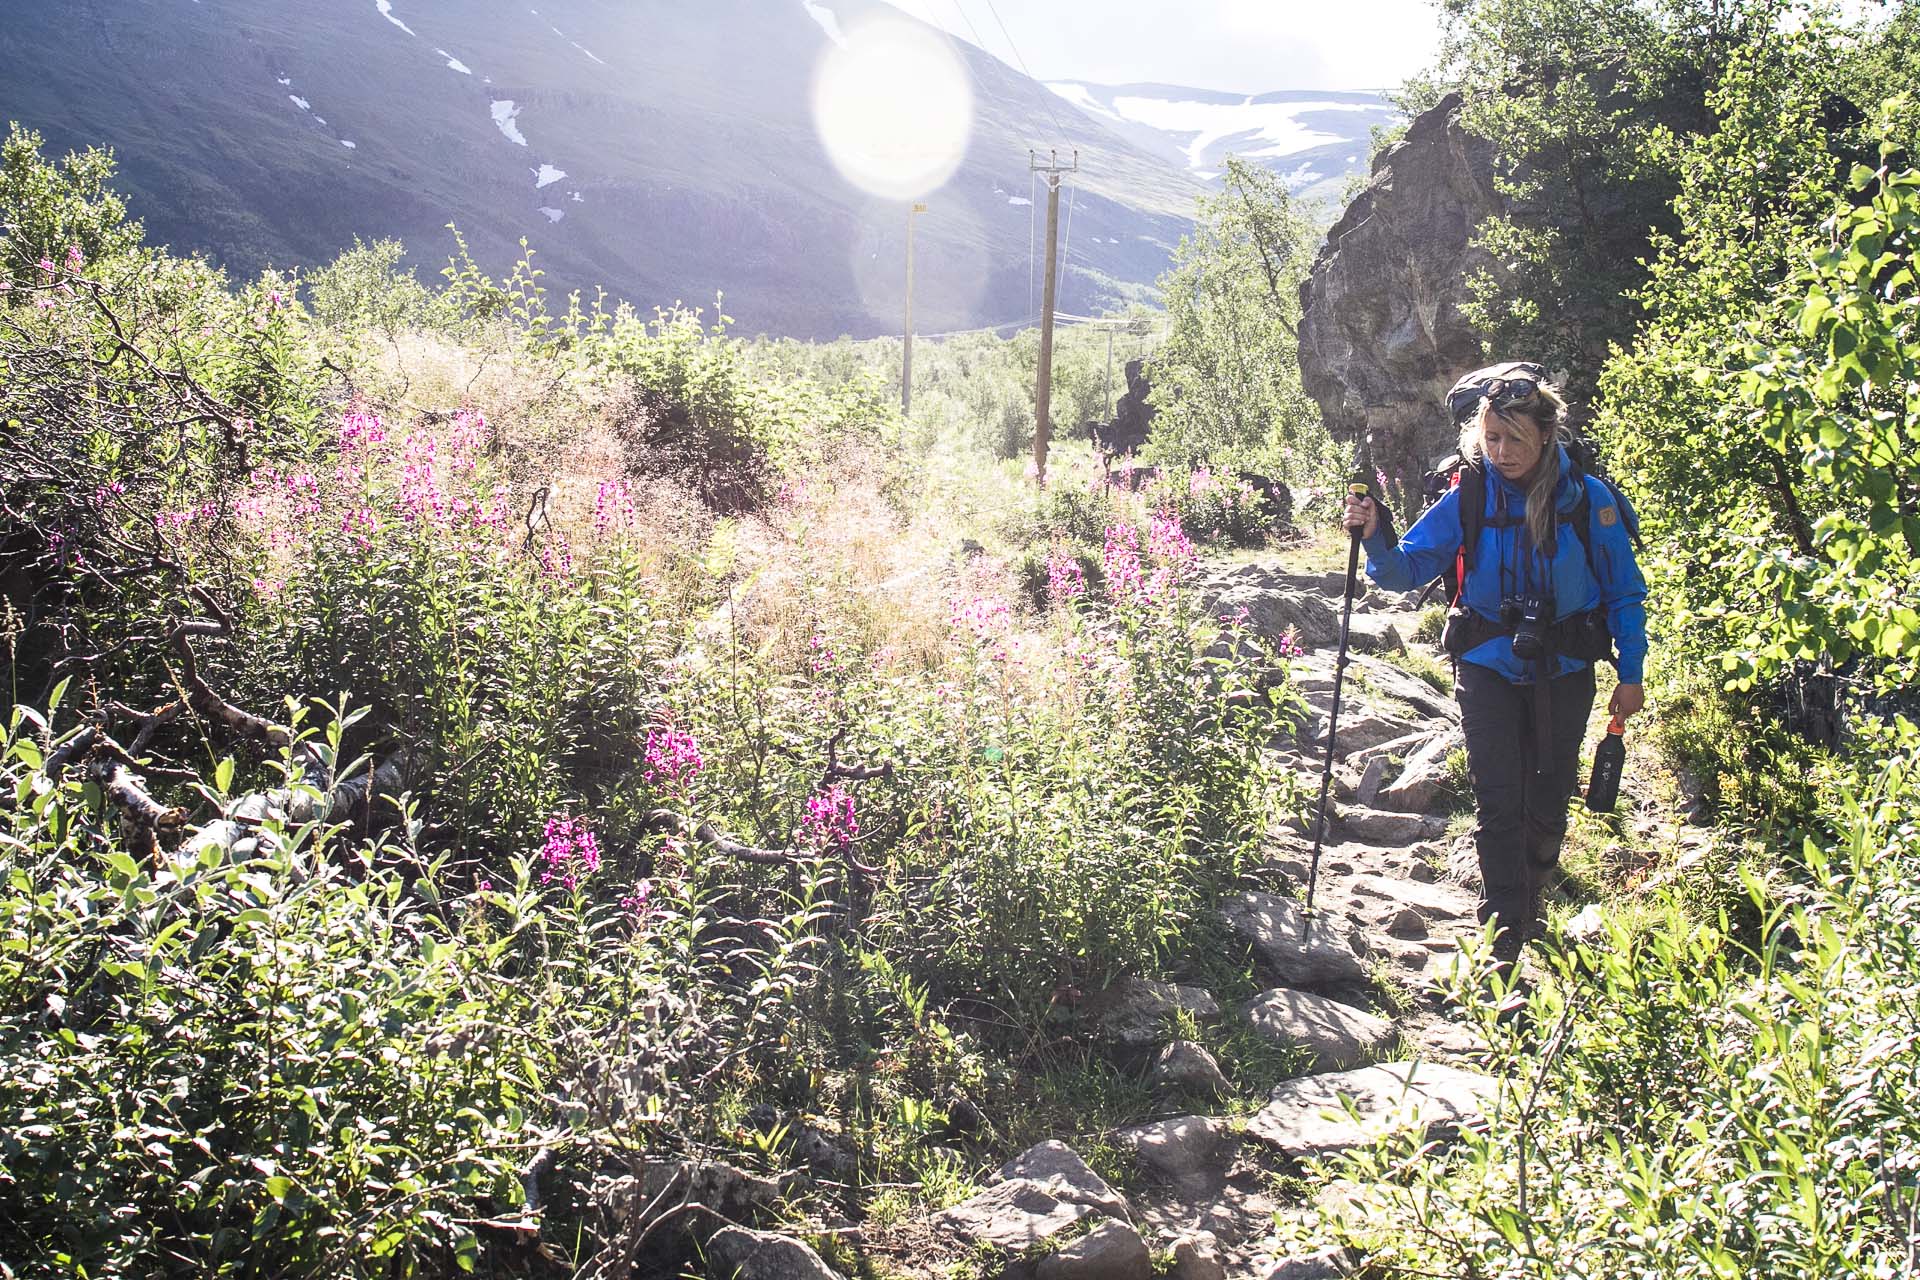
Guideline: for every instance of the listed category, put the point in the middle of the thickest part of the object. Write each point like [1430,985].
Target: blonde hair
[1546,413]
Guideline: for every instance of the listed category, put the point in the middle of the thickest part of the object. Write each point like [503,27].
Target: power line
[1045,93]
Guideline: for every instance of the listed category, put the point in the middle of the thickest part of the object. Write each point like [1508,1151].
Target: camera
[1528,616]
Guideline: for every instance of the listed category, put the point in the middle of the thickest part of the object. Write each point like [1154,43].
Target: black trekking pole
[1361,487]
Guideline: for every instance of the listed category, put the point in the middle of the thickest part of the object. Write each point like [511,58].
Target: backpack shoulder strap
[1473,511]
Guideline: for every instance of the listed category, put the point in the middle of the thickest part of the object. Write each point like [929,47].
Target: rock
[1111,1251]
[1403,746]
[1306,1118]
[1328,1264]
[1393,681]
[1372,778]
[1133,415]
[1041,1193]
[1433,901]
[1134,1011]
[1419,783]
[1374,634]
[1338,1035]
[1358,730]
[1422,873]
[1407,923]
[1191,1152]
[1382,332]
[1276,928]
[1196,1256]
[1382,826]
[734,1253]
[730,1192]
[1185,1066]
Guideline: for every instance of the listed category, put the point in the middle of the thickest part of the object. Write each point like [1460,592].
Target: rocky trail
[1355,998]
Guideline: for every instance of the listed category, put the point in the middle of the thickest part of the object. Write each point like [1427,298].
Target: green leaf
[223,775]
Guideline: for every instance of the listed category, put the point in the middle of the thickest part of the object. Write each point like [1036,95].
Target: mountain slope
[665,151]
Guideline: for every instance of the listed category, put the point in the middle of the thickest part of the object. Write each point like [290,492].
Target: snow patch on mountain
[546,175]
[553,215]
[299,102]
[351,146]
[285,81]
[828,22]
[386,11]
[505,116]
[590,53]
[454,63]
[1274,124]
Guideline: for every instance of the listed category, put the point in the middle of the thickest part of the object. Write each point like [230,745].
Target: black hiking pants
[1523,815]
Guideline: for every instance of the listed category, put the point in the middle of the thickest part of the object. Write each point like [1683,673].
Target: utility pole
[906,350]
[1043,383]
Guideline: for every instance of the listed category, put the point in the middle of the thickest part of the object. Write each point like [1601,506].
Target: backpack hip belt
[1581,635]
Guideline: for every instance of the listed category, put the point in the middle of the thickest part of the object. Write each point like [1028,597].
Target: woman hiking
[1536,593]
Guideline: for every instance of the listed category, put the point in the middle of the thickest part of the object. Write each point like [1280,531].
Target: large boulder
[1382,330]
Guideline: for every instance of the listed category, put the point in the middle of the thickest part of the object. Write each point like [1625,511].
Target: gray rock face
[1134,1011]
[1359,728]
[1306,1117]
[1382,335]
[1041,1193]
[1338,1035]
[1111,1251]
[1372,778]
[1188,1151]
[1276,928]
[734,1253]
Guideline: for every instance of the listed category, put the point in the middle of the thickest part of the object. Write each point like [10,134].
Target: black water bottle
[1603,789]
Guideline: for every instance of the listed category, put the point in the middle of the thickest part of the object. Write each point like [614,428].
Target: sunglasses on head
[1504,392]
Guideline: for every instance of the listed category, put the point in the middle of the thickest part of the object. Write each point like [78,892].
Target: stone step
[1307,1118]
[1337,1035]
[1277,929]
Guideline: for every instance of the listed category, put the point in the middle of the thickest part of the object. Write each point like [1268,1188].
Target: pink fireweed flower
[556,558]
[1199,482]
[465,439]
[672,758]
[634,901]
[986,617]
[1066,580]
[570,852]
[1167,541]
[6,286]
[1120,561]
[613,509]
[830,821]
[820,656]
[1290,646]
[361,429]
[46,266]
[360,524]
[420,496]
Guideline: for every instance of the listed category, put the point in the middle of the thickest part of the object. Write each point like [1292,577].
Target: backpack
[1470,478]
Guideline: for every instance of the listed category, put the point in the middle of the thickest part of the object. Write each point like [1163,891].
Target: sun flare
[894,108]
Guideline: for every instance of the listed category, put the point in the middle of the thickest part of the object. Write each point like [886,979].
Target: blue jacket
[1503,567]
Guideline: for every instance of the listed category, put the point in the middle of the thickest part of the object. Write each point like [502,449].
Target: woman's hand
[1627,699]
[1361,516]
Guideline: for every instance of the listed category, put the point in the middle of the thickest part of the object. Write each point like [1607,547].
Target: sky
[1239,46]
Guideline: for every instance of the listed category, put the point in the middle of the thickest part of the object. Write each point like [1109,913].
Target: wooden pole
[1043,379]
[906,347]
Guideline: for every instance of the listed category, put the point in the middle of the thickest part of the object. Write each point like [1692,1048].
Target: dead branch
[705,833]
[142,816]
[851,772]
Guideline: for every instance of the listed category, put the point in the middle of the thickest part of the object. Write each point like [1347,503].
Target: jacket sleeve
[1623,592]
[1419,557]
